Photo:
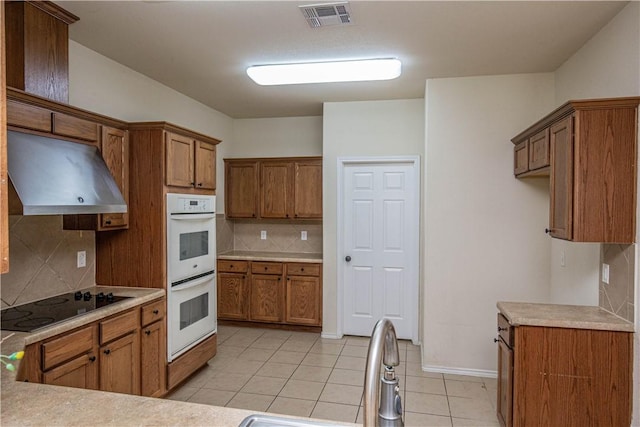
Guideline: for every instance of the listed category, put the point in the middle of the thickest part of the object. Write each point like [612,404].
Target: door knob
[347,258]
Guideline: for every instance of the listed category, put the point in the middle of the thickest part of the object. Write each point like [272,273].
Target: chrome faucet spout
[383,348]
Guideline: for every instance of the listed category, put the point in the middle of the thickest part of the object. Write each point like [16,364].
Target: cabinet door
[120,365]
[521,158]
[232,296]
[180,160]
[275,189]
[308,189]
[303,299]
[561,210]
[153,359]
[241,189]
[505,385]
[539,150]
[115,152]
[81,372]
[266,298]
[205,156]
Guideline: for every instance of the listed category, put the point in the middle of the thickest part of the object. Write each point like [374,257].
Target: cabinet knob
[496,340]
[193,183]
[92,359]
[108,222]
[156,311]
[302,269]
[199,184]
[107,351]
[501,329]
[147,332]
[266,268]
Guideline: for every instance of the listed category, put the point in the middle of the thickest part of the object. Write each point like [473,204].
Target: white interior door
[380,260]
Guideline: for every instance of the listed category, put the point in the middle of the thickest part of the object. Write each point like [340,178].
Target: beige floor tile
[425,385]
[289,406]
[490,383]
[305,336]
[335,412]
[325,348]
[201,377]
[253,402]
[462,422]
[312,373]
[414,419]
[348,362]
[342,340]
[282,356]
[299,389]
[466,389]
[474,409]
[296,345]
[424,403]
[183,393]
[277,370]
[341,393]
[208,396]
[415,370]
[414,357]
[228,351]
[243,366]
[276,333]
[240,340]
[354,350]
[256,354]
[227,381]
[455,377]
[320,359]
[264,385]
[359,341]
[250,332]
[346,376]
[271,343]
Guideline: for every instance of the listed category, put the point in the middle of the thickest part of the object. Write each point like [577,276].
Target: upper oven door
[191,245]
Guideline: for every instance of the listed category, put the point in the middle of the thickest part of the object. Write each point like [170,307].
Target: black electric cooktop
[46,312]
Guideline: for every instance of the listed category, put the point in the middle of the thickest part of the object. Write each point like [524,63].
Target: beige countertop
[31,404]
[562,316]
[271,256]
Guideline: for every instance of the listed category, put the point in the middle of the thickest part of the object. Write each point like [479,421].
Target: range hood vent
[322,15]
[54,177]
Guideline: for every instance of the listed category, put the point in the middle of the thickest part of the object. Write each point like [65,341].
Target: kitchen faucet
[383,348]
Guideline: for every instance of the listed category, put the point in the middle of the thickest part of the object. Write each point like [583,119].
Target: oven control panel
[190,204]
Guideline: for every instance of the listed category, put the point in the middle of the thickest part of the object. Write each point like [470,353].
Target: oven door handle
[187,217]
[191,284]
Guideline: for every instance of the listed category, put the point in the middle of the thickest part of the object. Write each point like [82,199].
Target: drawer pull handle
[156,311]
[107,351]
[147,332]
[502,329]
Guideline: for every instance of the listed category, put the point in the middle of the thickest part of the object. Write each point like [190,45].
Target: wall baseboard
[461,371]
[330,336]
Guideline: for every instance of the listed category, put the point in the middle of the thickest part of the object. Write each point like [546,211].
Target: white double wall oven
[191,276]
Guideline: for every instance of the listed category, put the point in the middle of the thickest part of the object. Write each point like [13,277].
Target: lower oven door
[191,313]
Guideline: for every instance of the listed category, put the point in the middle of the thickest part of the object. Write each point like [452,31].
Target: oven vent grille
[322,15]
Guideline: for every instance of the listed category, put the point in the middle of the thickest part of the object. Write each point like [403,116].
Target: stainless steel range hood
[52,177]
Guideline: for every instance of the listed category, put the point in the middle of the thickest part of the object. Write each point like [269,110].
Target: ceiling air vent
[322,15]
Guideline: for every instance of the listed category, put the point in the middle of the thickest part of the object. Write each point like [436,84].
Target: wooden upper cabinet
[28,116]
[115,152]
[180,160]
[560,213]
[521,158]
[190,163]
[592,155]
[241,188]
[308,189]
[276,178]
[74,127]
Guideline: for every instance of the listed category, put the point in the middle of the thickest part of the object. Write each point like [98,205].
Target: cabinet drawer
[303,269]
[266,267]
[505,330]
[152,312]
[67,347]
[74,127]
[28,116]
[233,266]
[118,326]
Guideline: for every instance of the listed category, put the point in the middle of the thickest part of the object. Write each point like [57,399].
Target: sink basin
[258,420]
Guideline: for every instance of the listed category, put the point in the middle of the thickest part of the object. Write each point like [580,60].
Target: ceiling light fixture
[326,72]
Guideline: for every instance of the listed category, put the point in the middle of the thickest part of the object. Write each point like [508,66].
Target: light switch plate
[263,235]
[82,259]
[605,273]
[303,235]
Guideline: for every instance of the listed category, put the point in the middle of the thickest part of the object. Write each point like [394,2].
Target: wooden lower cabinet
[153,350]
[81,372]
[257,291]
[566,377]
[120,365]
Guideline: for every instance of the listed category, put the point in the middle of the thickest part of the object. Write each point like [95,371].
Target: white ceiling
[202,48]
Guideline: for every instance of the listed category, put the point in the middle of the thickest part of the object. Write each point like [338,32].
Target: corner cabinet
[274,188]
[589,150]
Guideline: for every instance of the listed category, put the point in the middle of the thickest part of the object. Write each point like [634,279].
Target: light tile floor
[301,374]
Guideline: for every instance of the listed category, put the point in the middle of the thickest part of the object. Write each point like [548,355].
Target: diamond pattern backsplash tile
[618,295]
[43,259]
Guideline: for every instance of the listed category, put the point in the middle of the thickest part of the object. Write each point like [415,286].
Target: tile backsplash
[43,260]
[281,237]
[618,295]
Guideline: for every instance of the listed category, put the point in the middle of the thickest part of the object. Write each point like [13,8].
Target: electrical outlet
[82,259]
[263,235]
[303,235]
[605,273]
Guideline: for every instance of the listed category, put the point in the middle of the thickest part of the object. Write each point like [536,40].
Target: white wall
[98,84]
[484,237]
[285,136]
[375,128]
[608,65]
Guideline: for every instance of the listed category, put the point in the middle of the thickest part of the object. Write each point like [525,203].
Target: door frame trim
[414,161]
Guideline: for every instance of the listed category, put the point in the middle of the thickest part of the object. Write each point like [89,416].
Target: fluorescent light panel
[326,72]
